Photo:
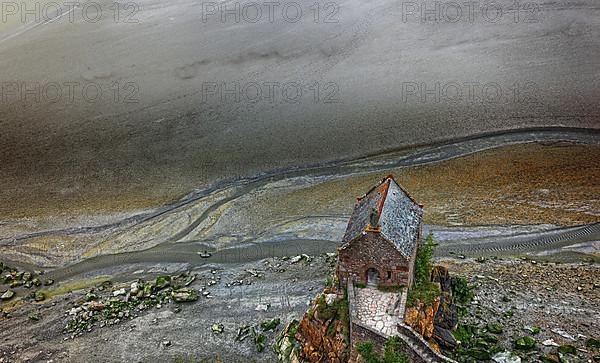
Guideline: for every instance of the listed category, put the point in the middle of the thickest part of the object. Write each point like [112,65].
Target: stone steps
[417,349]
[420,346]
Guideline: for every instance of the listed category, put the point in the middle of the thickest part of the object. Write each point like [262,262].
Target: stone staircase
[420,346]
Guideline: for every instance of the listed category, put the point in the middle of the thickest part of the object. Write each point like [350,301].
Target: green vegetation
[525,343]
[360,285]
[365,349]
[425,293]
[292,344]
[475,343]
[494,328]
[392,352]
[423,289]
[592,343]
[259,340]
[268,325]
[337,311]
[462,293]
[423,263]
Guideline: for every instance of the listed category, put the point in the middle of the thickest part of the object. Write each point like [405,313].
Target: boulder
[8,294]
[506,357]
[444,337]
[446,315]
[330,298]
[184,294]
[217,328]
[39,296]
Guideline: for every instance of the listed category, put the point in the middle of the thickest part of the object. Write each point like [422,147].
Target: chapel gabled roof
[398,215]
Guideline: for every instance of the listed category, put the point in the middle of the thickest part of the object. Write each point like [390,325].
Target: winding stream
[186,252]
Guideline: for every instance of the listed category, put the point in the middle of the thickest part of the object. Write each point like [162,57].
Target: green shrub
[365,349]
[423,289]
[392,351]
[423,263]
[461,291]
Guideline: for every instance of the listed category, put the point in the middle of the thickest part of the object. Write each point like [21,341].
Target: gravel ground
[285,286]
[560,299]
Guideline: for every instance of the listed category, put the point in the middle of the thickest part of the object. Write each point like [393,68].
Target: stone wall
[372,250]
[362,333]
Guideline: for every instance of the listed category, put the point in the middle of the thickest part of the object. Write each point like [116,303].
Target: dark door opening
[372,277]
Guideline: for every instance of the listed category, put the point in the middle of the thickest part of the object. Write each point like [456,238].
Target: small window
[389,274]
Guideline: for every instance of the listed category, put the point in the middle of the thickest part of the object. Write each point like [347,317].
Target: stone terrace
[379,310]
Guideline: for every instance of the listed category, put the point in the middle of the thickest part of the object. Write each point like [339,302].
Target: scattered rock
[34,317]
[8,294]
[550,343]
[217,328]
[525,343]
[301,257]
[120,292]
[532,330]
[39,296]
[162,281]
[506,357]
[185,294]
[262,307]
[563,334]
[204,254]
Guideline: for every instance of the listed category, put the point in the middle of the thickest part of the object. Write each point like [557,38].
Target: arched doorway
[372,277]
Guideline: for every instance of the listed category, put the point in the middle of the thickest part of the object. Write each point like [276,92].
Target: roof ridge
[391,177]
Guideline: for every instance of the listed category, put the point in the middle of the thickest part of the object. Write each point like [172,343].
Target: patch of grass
[392,351]
[425,292]
[67,287]
[360,285]
[365,349]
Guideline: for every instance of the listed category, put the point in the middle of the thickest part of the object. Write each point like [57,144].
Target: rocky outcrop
[421,318]
[435,322]
[321,335]
[318,345]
